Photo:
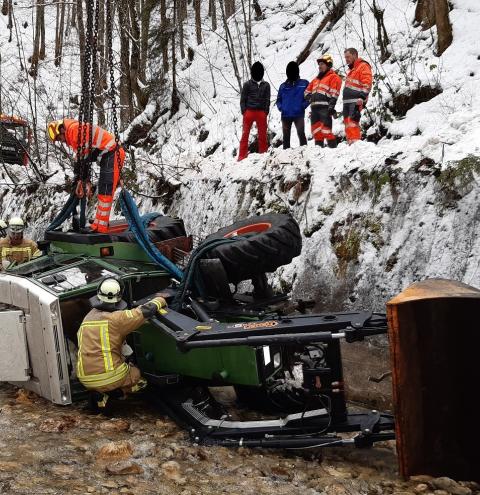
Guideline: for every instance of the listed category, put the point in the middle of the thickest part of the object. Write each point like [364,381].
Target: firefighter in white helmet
[101,367]
[14,247]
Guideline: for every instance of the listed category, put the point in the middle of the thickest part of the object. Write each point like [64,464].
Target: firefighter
[14,247]
[103,148]
[322,93]
[101,367]
[355,93]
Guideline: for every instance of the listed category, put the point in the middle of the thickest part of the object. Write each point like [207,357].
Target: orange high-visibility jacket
[324,91]
[103,140]
[358,83]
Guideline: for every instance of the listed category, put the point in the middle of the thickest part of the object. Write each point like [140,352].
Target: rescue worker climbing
[101,367]
[15,247]
[322,93]
[355,93]
[103,147]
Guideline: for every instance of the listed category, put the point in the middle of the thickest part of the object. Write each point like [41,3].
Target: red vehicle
[15,137]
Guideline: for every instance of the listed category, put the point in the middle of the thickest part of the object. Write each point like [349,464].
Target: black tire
[269,241]
[164,228]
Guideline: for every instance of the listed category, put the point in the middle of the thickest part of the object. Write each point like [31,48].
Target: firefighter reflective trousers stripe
[321,123]
[110,168]
[351,119]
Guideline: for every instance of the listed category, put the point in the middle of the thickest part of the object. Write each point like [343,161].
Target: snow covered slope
[375,216]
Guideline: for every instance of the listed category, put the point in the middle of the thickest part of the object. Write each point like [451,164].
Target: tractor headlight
[277,360]
[266,355]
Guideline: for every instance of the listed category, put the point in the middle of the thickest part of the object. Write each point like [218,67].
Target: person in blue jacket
[292,104]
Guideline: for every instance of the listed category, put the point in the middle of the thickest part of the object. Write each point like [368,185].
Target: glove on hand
[153,307]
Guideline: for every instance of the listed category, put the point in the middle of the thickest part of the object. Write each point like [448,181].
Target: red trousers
[260,118]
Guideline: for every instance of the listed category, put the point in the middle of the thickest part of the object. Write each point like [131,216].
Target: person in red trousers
[255,104]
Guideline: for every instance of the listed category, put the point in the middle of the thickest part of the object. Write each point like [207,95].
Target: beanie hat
[257,71]
[293,71]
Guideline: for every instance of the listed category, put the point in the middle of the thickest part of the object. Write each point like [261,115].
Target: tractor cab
[15,138]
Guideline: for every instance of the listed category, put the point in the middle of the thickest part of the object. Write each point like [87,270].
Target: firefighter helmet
[110,290]
[327,59]
[53,129]
[16,224]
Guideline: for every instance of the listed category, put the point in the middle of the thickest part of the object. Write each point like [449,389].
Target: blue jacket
[290,100]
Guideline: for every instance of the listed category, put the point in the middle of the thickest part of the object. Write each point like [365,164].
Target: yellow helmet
[53,129]
[326,58]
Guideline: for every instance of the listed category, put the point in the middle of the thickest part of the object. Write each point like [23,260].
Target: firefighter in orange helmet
[103,147]
[355,93]
[322,93]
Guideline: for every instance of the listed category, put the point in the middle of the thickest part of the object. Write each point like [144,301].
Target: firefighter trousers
[322,122]
[110,167]
[351,119]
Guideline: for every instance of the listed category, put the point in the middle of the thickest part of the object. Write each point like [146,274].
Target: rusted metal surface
[434,345]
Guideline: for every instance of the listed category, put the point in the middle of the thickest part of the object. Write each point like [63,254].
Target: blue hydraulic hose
[130,211]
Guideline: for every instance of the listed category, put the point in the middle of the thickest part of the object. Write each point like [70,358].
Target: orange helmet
[53,129]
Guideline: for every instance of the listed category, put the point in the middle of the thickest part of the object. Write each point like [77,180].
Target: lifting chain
[109,35]
[88,98]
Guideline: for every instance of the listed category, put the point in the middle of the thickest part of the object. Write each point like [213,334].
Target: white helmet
[16,224]
[110,291]
[15,229]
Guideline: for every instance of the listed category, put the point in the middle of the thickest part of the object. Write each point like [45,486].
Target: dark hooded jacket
[255,92]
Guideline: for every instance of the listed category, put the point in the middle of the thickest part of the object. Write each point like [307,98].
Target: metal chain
[109,35]
[85,100]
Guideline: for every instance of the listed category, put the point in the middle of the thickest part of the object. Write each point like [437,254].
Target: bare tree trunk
[229,8]
[435,12]
[175,97]
[146,12]
[444,27]
[198,21]
[182,7]
[41,13]
[74,15]
[425,13]
[37,39]
[382,35]
[59,34]
[164,29]
[247,21]
[230,46]
[330,20]
[212,12]
[126,104]
[81,34]
[135,61]
[258,10]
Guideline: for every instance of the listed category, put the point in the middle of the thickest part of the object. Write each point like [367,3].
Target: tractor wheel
[268,241]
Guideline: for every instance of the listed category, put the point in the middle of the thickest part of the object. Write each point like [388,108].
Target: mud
[48,449]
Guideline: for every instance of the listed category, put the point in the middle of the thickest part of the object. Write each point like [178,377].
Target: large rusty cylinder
[434,336]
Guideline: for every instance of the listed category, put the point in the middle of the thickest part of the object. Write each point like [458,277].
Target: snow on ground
[375,217]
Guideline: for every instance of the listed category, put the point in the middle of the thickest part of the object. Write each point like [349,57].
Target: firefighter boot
[332,143]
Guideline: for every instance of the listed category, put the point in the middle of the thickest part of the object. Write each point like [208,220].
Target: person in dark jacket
[254,104]
[292,103]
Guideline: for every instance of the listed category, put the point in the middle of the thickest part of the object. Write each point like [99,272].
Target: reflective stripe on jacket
[100,339]
[324,90]
[19,253]
[358,82]
[102,141]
